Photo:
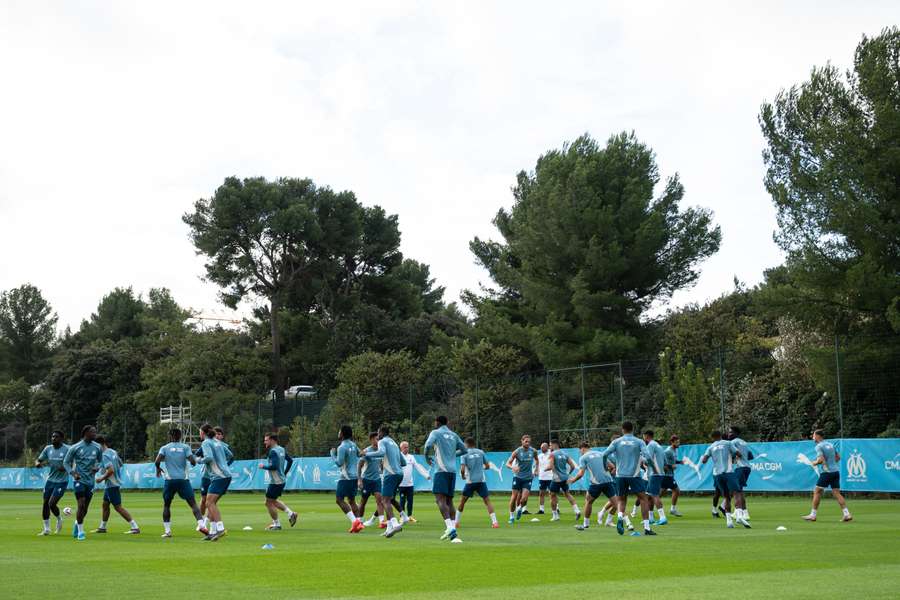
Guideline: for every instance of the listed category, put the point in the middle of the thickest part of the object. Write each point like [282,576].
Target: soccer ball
[67,511]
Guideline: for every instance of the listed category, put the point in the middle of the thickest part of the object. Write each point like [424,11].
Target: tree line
[593,243]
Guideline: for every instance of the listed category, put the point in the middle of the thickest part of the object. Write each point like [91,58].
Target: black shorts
[829,479]
[274,490]
[559,486]
[544,484]
[743,475]
[476,488]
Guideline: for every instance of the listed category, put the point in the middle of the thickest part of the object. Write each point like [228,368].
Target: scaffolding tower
[180,416]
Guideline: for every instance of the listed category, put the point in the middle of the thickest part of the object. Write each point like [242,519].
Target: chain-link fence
[848,386]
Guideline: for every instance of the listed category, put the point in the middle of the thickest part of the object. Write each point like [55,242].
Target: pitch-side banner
[871,465]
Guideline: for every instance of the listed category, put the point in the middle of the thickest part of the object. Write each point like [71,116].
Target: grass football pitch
[694,556]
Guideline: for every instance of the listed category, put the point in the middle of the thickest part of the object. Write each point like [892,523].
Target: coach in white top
[407,488]
[545,476]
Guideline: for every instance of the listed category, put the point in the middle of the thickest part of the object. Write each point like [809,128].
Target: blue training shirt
[175,456]
[656,458]
[84,458]
[594,464]
[346,457]
[722,454]
[447,446]
[276,465]
[392,461]
[55,457]
[628,451]
[475,461]
[215,459]
[826,450]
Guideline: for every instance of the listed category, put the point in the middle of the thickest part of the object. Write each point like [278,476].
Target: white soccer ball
[67,511]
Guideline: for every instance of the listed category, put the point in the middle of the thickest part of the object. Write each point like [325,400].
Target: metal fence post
[722,384]
[621,394]
[549,424]
[410,394]
[583,407]
[477,432]
[840,397]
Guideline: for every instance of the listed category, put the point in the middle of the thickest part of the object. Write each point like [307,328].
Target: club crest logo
[856,467]
[317,474]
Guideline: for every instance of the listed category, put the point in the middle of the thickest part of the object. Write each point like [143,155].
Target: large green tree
[833,170]
[289,241]
[27,332]
[589,245]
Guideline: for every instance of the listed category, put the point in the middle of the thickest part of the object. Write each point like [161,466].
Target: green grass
[693,557]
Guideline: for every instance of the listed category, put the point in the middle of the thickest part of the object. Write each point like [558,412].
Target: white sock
[621,515]
[277,522]
[512,515]
[134,524]
[80,527]
[46,524]
[102,524]
[587,522]
[288,510]
[846,511]
[555,513]
[351,516]
[448,523]
[813,512]
[646,523]
[542,508]
[381,518]
[220,526]
[167,527]
[627,521]
[576,509]
[662,513]
[728,518]
[394,523]
[370,521]
[458,518]
[201,523]
[494,518]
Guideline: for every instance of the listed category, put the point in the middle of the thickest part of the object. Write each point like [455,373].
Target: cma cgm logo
[893,464]
[856,467]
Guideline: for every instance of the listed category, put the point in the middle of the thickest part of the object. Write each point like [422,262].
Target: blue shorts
[743,474]
[390,485]
[444,484]
[204,486]
[832,480]
[346,488]
[636,485]
[219,486]
[83,490]
[559,486]
[519,484]
[727,483]
[182,487]
[658,483]
[370,486]
[113,495]
[54,489]
[608,489]
[471,489]
[274,490]
[544,484]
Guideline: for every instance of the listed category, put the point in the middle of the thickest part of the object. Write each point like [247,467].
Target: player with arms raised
[53,456]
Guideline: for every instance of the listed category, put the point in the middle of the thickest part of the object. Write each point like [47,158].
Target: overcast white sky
[116,116]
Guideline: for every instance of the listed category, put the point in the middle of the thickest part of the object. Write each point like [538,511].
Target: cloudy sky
[116,116]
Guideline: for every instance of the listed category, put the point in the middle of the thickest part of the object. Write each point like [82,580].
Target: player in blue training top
[392,463]
[177,455]
[723,454]
[346,457]
[629,452]
[278,466]
[830,476]
[472,466]
[523,462]
[215,465]
[600,481]
[82,461]
[370,484]
[110,477]
[204,478]
[656,468]
[560,464]
[742,469]
[447,446]
[668,482]
[53,456]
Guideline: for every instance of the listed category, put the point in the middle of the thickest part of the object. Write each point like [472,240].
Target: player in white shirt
[407,486]
[545,477]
